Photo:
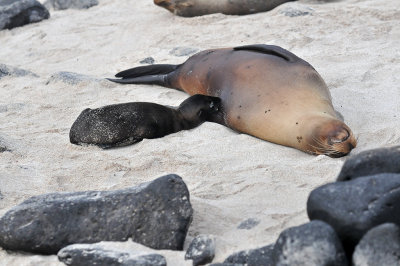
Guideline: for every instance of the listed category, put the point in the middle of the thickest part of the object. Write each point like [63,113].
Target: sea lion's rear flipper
[270,49]
[152,74]
[152,80]
[146,71]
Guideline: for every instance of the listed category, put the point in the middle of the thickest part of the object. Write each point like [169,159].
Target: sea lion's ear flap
[270,49]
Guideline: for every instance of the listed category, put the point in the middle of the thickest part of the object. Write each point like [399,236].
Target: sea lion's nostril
[351,146]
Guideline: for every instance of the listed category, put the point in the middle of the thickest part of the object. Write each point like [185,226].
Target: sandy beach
[232,177]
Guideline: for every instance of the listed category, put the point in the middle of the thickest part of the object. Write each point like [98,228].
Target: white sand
[354,44]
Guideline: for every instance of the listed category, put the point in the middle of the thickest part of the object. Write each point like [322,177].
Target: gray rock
[253,257]
[156,214]
[311,244]
[248,224]
[16,13]
[354,207]
[379,246]
[297,11]
[87,255]
[3,146]
[1,196]
[6,144]
[4,108]
[201,250]
[66,4]
[6,70]
[261,256]
[72,78]
[371,162]
[148,60]
[183,51]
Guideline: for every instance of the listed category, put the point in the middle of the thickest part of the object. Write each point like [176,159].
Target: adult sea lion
[192,8]
[266,91]
[124,124]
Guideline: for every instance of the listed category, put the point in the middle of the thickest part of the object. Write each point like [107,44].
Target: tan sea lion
[192,8]
[266,91]
[123,124]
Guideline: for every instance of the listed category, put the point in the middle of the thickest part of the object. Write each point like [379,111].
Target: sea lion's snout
[334,139]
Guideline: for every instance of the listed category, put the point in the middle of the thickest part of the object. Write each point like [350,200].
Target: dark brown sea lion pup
[124,124]
[266,91]
[192,8]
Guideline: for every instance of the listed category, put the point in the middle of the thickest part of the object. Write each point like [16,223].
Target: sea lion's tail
[152,74]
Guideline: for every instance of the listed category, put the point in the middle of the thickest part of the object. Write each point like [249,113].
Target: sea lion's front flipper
[270,49]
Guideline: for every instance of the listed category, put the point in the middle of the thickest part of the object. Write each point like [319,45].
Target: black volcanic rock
[354,207]
[156,214]
[253,257]
[94,254]
[312,244]
[371,162]
[240,257]
[379,246]
[16,13]
[201,250]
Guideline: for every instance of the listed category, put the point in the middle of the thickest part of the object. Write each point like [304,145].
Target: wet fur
[124,124]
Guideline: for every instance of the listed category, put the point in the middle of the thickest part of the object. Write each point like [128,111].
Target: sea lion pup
[266,91]
[192,8]
[124,124]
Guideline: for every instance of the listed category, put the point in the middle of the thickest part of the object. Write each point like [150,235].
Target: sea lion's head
[331,137]
[199,108]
